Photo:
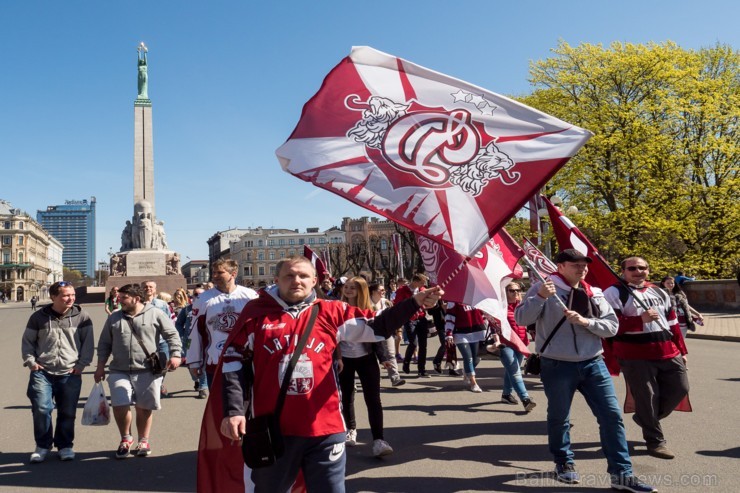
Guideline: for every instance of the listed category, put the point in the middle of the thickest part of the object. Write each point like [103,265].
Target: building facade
[24,247]
[259,250]
[73,224]
[195,272]
[218,244]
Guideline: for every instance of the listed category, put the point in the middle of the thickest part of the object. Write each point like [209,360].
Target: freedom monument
[144,254]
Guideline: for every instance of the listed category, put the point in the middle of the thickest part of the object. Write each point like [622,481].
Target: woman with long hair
[359,358]
[111,302]
[686,315]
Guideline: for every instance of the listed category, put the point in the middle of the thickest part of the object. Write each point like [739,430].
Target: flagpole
[533,270]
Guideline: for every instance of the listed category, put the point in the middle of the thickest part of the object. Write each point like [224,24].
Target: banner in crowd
[480,281]
[321,271]
[444,158]
[544,265]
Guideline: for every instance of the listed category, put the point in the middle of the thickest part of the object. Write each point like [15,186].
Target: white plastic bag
[97,409]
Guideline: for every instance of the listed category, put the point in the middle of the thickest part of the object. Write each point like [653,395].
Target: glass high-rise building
[73,224]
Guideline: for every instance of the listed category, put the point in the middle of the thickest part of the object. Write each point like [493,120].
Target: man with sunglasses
[650,350]
[57,345]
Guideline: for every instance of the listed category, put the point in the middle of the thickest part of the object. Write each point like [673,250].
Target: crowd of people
[360,329]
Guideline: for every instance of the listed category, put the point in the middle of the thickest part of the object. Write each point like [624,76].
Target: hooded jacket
[117,339]
[571,342]
[57,342]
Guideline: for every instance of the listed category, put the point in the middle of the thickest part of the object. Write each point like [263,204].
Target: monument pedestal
[138,266]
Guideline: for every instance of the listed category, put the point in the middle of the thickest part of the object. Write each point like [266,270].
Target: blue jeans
[561,379]
[469,353]
[44,390]
[512,361]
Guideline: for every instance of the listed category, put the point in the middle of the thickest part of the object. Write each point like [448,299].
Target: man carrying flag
[569,344]
[651,352]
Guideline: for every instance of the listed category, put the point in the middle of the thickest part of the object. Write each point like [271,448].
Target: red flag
[569,236]
[446,159]
[544,265]
[479,282]
[321,270]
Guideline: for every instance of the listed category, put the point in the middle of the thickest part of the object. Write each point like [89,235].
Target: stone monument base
[165,284]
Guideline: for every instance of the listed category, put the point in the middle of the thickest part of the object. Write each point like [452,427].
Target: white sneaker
[67,454]
[475,388]
[466,380]
[351,438]
[39,455]
[381,448]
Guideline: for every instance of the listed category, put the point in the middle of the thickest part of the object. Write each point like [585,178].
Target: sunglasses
[633,268]
[61,284]
[513,290]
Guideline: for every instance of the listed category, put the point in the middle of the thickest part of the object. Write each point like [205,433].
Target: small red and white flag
[544,265]
[321,270]
[479,282]
[444,158]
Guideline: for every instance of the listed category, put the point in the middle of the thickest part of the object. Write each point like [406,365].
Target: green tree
[660,176]
[73,276]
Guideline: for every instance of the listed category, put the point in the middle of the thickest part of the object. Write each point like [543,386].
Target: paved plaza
[446,439]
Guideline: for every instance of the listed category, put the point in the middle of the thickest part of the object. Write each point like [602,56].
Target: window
[272,270]
[291,241]
[261,270]
[6,258]
[281,253]
[260,255]
[271,242]
[20,257]
[272,254]
[20,240]
[383,244]
[247,270]
[322,240]
[311,241]
[301,241]
[7,224]
[7,240]
[281,242]
[260,243]
[20,224]
[291,253]
[248,243]
[249,256]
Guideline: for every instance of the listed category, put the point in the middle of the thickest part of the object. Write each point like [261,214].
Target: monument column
[143,142]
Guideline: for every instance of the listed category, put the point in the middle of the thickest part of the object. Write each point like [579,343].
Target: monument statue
[144,253]
[143,76]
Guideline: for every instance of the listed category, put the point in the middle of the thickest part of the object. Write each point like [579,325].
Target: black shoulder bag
[156,360]
[532,366]
[263,443]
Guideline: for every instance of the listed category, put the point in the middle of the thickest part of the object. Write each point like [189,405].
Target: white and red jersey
[635,339]
[465,323]
[269,330]
[214,315]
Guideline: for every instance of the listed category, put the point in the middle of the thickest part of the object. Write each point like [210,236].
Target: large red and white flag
[444,158]
[318,263]
[480,281]
[569,236]
[545,267]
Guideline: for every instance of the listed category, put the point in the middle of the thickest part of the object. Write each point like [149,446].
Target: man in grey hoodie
[57,345]
[131,380]
[569,343]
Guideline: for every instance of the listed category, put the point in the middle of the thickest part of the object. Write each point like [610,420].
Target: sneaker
[163,391]
[124,447]
[39,455]
[475,388]
[466,380]
[66,454]
[143,449]
[529,404]
[509,399]
[397,381]
[351,438]
[453,373]
[566,473]
[438,367]
[381,448]
[423,374]
[202,394]
[631,483]
[661,452]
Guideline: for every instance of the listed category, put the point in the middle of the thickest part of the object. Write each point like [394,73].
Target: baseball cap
[571,255]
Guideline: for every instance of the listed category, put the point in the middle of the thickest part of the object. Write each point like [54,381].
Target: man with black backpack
[569,343]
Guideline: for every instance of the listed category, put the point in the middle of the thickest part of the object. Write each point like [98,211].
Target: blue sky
[228,80]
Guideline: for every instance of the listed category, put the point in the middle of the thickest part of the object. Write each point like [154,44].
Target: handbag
[262,444]
[157,360]
[533,366]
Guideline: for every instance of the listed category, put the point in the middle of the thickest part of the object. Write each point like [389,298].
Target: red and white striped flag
[544,265]
[479,282]
[318,263]
[446,159]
